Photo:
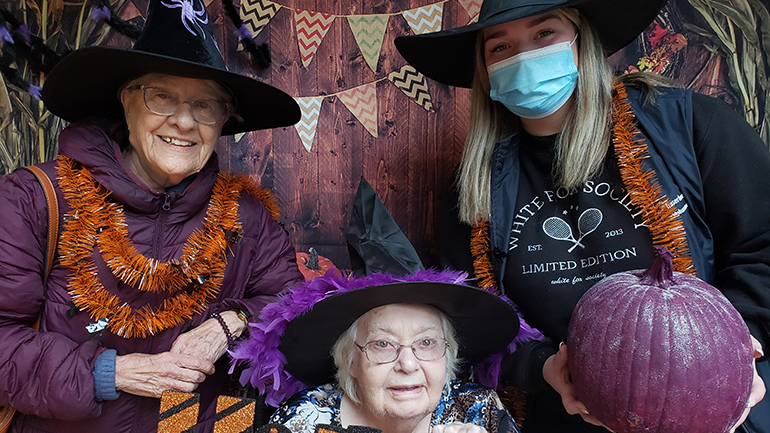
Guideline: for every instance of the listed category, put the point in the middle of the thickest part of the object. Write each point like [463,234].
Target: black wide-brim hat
[87,81]
[449,56]
[483,322]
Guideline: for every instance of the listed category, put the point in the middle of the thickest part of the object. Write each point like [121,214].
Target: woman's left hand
[208,341]
[757,386]
[458,427]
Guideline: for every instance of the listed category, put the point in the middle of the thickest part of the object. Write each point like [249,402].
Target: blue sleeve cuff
[104,376]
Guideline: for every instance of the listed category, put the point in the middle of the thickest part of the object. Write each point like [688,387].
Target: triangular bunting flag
[311,29]
[471,6]
[311,109]
[474,19]
[256,14]
[362,102]
[413,84]
[426,19]
[369,31]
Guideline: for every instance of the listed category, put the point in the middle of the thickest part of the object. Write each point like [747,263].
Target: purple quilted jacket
[47,375]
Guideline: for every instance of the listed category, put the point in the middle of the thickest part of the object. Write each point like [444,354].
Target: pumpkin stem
[661,270]
[312,260]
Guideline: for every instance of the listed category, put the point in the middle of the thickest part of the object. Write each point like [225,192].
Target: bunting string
[362,102]
[368,29]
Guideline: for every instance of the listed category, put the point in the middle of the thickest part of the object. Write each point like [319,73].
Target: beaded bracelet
[228,334]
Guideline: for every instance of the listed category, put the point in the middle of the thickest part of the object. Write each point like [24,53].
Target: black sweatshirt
[565,241]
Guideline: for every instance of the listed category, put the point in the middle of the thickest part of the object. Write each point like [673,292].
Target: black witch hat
[176,40]
[449,56]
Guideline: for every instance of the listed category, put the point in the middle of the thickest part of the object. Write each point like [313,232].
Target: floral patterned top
[460,402]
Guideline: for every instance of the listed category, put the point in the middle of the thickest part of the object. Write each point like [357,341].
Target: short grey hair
[345,349]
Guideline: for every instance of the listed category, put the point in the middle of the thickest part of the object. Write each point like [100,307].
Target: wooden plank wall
[409,164]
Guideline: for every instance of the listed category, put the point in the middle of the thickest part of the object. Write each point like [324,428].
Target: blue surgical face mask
[534,84]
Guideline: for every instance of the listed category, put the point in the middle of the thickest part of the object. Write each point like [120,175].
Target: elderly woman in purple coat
[162,259]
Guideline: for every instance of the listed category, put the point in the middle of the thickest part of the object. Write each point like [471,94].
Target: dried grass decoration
[192,281]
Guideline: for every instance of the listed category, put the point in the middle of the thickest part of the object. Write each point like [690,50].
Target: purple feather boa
[266,364]
[487,371]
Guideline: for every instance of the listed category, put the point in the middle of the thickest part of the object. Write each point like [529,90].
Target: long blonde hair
[580,147]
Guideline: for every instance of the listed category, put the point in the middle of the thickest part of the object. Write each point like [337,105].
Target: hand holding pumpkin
[662,351]
[556,373]
[757,386]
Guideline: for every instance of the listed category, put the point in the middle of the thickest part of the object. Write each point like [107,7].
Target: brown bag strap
[53,215]
[7,412]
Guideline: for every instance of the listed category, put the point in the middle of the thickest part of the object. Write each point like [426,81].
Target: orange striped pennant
[234,415]
[178,412]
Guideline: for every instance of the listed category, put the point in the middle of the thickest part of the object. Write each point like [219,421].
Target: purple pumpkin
[661,352]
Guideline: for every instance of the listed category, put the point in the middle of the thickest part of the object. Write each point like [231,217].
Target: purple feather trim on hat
[6,35]
[102,13]
[487,371]
[265,370]
[243,32]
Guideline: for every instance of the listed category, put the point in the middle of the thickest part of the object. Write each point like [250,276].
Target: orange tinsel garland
[645,193]
[482,265]
[194,279]
[657,213]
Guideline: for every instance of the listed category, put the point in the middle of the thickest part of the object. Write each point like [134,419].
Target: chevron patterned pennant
[426,19]
[369,31]
[234,415]
[256,14]
[362,102]
[178,412]
[412,83]
[311,29]
[310,109]
[471,6]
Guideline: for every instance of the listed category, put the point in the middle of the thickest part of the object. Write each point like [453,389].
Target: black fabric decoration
[375,242]
[260,54]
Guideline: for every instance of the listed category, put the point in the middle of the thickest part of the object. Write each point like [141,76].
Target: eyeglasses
[165,103]
[383,351]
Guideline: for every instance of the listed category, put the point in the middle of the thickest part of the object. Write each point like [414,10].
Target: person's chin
[409,410]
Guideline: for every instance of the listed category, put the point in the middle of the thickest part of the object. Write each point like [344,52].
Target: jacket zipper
[159,224]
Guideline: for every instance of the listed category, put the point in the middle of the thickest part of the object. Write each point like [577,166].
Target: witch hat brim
[483,322]
[87,82]
[449,56]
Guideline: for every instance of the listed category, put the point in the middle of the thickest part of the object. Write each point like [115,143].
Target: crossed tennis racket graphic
[560,230]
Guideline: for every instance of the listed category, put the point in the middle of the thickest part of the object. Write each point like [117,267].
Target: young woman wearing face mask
[570,174]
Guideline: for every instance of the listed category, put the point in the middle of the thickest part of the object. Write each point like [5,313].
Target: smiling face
[507,39]
[166,149]
[406,389]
